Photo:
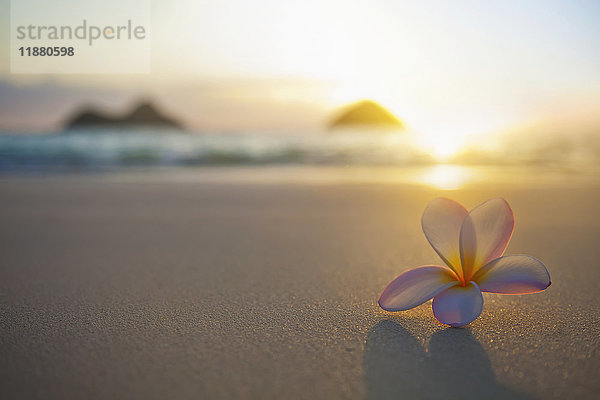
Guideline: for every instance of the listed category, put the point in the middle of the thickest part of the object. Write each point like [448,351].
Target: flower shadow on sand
[454,366]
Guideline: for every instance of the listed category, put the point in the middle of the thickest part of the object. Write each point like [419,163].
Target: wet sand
[167,288]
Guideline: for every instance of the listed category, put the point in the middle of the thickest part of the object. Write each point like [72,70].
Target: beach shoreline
[171,285]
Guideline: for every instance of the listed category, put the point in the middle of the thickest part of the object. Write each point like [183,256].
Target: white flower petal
[458,305]
[415,287]
[517,274]
[441,224]
[484,234]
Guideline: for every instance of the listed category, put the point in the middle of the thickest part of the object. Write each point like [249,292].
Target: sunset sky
[448,69]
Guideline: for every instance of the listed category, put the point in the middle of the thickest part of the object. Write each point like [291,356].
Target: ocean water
[115,148]
[112,148]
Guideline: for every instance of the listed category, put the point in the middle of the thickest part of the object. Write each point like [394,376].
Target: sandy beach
[193,289]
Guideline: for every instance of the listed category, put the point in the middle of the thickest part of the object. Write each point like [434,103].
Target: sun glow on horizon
[442,144]
[442,147]
[445,138]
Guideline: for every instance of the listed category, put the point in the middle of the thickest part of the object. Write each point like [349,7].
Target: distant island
[365,113]
[142,115]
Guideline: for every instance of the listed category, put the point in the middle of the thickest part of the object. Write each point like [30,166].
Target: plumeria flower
[472,245]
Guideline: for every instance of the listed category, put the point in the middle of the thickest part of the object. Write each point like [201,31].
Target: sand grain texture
[164,290]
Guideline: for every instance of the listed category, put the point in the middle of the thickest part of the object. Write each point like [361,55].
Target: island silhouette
[144,114]
[365,113]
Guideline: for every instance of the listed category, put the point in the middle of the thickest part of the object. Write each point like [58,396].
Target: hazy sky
[459,66]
